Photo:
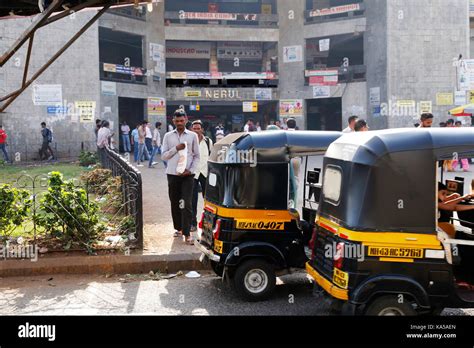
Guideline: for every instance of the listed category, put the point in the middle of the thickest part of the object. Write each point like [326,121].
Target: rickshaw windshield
[242,186]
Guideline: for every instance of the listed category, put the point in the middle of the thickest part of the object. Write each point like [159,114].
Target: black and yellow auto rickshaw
[250,229]
[378,248]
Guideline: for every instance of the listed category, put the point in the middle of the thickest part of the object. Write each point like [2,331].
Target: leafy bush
[67,214]
[87,158]
[14,208]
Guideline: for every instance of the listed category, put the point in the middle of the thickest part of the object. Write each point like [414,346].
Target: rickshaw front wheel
[254,280]
[390,306]
[217,268]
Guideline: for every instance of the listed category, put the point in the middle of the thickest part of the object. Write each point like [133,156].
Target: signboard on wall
[292,54]
[108,88]
[241,50]
[188,50]
[374,96]
[250,106]
[291,107]
[267,9]
[466,74]
[192,94]
[321,92]
[459,98]
[86,110]
[263,94]
[426,107]
[47,94]
[156,106]
[334,10]
[444,99]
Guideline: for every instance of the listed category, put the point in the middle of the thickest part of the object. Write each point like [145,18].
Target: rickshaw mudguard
[389,284]
[255,250]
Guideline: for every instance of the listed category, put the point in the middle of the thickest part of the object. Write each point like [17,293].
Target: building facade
[226,61]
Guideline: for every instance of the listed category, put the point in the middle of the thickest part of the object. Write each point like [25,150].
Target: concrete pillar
[291,17]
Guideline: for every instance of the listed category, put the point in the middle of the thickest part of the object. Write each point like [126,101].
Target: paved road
[133,294]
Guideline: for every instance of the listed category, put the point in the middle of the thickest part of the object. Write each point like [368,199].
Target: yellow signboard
[86,110]
[444,99]
[426,107]
[471,96]
[266,9]
[250,107]
[192,94]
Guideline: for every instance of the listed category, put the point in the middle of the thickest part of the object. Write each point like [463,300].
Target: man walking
[104,136]
[148,138]
[156,144]
[47,136]
[142,151]
[181,183]
[135,143]
[3,143]
[205,147]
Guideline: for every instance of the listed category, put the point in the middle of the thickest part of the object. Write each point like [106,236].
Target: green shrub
[14,208]
[97,180]
[67,214]
[87,158]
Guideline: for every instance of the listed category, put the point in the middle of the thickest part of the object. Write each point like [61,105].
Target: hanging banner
[47,95]
[209,16]
[188,49]
[334,10]
[156,106]
[86,110]
[291,107]
[323,77]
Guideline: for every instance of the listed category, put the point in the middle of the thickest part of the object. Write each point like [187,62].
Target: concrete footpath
[162,252]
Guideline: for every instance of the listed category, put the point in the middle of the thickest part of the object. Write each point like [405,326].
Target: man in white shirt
[352,121]
[180,184]
[148,138]
[205,147]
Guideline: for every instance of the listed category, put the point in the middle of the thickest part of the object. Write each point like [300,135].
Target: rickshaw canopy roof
[277,146]
[369,147]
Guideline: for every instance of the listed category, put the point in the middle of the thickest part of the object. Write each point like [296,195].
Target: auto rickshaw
[378,248]
[251,231]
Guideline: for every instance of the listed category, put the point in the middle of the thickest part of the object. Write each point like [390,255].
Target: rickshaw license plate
[218,246]
[396,252]
[260,225]
[340,278]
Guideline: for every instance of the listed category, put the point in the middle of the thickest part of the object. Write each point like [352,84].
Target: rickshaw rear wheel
[217,268]
[254,280]
[389,306]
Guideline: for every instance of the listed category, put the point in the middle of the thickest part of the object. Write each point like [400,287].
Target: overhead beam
[70,11]
[31,29]
[12,96]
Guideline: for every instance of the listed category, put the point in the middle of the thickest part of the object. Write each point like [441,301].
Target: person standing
[3,143]
[98,124]
[220,132]
[148,138]
[205,147]
[294,169]
[142,151]
[156,144]
[47,136]
[135,143]
[351,124]
[181,184]
[125,133]
[103,139]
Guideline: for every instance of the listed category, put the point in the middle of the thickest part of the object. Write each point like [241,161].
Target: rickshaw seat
[448,228]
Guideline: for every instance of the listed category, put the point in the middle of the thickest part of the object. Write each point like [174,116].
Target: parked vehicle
[378,248]
[251,229]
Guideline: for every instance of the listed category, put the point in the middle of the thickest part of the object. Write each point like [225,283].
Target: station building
[319,61]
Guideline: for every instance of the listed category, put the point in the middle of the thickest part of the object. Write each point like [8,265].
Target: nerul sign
[222,94]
